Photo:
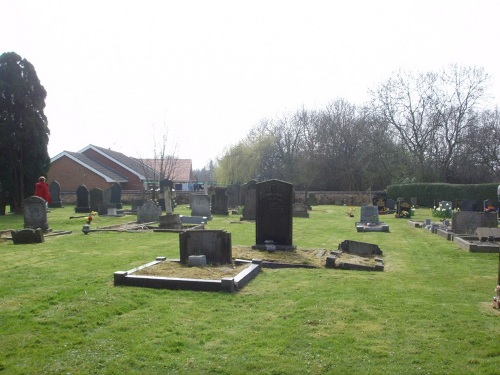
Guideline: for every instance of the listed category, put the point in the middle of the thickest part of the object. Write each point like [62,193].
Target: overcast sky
[208,71]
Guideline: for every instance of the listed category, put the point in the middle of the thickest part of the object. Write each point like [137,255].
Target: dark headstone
[35,213]
[391,205]
[214,244]
[96,199]
[233,196]
[55,191]
[219,201]
[28,235]
[274,217]
[359,248]
[466,205]
[136,203]
[116,195]
[82,199]
[250,201]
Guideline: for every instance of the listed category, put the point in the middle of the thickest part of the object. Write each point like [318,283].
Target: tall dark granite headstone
[82,199]
[274,216]
[116,195]
[96,199]
[55,191]
[219,201]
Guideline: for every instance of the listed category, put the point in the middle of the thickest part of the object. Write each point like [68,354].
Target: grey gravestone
[214,244]
[369,220]
[369,215]
[200,205]
[82,199]
[55,191]
[250,201]
[35,213]
[96,199]
[467,222]
[299,210]
[219,201]
[116,195]
[274,217]
[148,212]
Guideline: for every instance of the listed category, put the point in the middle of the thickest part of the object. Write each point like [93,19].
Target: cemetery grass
[429,312]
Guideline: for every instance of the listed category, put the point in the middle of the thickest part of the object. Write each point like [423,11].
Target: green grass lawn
[429,312]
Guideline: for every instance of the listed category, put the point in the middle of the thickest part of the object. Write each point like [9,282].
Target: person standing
[42,190]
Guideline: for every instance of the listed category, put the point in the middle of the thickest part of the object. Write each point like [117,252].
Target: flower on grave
[350,211]
[497,290]
[89,218]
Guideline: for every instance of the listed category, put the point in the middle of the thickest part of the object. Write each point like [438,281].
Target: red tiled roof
[182,169]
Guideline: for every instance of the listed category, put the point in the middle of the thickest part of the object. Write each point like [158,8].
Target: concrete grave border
[226,284]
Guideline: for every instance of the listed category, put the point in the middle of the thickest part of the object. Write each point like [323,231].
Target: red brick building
[95,166]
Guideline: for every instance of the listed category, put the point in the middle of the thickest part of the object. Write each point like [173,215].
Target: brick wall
[70,175]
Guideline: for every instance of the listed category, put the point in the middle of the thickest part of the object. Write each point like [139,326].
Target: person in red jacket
[42,190]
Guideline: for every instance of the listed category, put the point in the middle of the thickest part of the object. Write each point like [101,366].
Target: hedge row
[429,194]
